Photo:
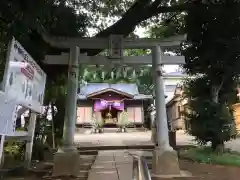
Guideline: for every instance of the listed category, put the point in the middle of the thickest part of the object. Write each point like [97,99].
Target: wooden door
[80,115]
[138,115]
[135,115]
[84,115]
[131,115]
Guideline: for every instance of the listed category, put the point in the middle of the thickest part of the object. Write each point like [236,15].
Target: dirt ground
[199,172]
[209,171]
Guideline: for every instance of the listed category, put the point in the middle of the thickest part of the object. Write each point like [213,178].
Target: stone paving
[112,165]
[136,138]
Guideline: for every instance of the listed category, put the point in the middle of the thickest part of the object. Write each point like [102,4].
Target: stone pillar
[165,160]
[69,154]
[71,101]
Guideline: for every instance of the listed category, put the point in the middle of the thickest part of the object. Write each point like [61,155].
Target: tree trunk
[217,144]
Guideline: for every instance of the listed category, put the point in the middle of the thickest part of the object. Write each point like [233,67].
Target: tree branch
[140,11]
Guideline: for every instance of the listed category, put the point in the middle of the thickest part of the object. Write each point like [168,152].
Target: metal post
[71,101]
[161,115]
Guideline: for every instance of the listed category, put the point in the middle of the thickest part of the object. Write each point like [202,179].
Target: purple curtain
[103,104]
[119,105]
[100,105]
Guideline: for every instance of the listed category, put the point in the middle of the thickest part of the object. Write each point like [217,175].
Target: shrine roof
[96,87]
[92,88]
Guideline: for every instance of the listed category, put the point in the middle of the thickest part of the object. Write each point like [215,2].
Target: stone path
[112,165]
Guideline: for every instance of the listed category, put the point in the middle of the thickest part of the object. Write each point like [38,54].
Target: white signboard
[23,80]
[8,115]
[116,47]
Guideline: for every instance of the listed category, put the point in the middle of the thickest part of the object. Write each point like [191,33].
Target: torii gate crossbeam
[103,60]
[103,43]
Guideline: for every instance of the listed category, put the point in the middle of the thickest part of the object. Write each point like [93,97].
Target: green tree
[212,55]
[209,121]
[21,19]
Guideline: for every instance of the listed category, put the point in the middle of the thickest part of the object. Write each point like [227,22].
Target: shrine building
[107,101]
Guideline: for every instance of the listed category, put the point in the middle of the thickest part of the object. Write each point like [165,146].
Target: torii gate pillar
[71,101]
[165,159]
[67,160]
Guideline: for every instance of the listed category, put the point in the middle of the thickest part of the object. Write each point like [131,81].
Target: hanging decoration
[94,75]
[118,73]
[112,74]
[124,72]
[103,75]
[134,74]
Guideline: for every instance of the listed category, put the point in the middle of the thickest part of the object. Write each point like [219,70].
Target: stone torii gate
[165,160]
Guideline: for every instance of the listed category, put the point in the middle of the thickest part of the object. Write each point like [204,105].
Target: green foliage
[199,87]
[213,42]
[123,120]
[103,13]
[212,57]
[142,76]
[15,148]
[209,121]
[97,122]
[22,19]
[171,24]
[14,152]
[205,155]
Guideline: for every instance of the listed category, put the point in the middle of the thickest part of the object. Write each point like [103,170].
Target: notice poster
[24,81]
[8,115]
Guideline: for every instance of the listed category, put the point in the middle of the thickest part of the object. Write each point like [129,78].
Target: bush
[13,153]
[123,121]
[210,121]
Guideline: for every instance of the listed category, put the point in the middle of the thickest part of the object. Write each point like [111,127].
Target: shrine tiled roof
[95,87]
[91,88]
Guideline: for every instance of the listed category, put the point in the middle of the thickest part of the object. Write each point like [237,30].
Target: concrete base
[165,162]
[66,164]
